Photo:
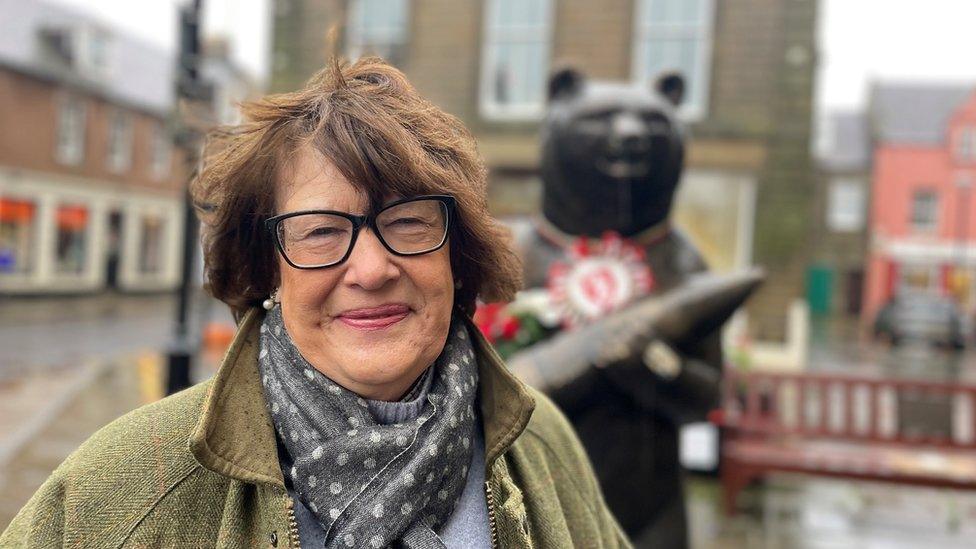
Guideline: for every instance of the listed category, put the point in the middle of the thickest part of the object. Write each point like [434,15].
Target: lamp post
[190,89]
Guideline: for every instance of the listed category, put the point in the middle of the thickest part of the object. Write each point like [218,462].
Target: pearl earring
[271,301]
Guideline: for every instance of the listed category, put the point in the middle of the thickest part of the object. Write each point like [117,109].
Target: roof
[905,113]
[915,113]
[133,72]
[848,143]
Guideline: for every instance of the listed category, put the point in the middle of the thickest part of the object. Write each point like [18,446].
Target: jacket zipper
[293,538]
[491,514]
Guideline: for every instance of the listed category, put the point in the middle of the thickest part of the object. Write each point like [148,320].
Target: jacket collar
[234,435]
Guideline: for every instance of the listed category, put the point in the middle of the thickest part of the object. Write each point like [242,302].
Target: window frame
[69,149]
[965,149]
[119,160]
[160,163]
[488,107]
[142,259]
[87,234]
[933,225]
[843,217]
[692,109]
[33,251]
[355,45]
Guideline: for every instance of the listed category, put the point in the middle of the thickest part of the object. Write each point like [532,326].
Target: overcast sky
[859,39]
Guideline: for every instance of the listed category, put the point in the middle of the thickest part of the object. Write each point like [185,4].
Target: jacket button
[274,539]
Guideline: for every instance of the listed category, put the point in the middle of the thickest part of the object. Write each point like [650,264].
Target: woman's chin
[383,368]
[383,382]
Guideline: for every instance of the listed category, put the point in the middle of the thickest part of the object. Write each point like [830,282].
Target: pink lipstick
[374,318]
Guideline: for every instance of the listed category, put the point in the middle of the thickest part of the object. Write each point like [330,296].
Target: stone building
[747,196]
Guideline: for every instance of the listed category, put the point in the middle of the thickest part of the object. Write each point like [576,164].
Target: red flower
[510,327]
[494,320]
[486,317]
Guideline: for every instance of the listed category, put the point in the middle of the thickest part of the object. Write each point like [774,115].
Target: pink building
[923,200]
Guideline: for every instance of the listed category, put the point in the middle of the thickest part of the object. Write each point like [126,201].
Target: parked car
[921,317]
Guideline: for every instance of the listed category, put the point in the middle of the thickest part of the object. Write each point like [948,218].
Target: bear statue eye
[592,122]
[656,123]
[602,115]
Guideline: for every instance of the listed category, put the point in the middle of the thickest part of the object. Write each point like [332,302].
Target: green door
[820,285]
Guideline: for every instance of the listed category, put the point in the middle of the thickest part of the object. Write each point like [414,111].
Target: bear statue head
[612,153]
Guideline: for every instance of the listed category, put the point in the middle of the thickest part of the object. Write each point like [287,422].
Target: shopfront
[70,236]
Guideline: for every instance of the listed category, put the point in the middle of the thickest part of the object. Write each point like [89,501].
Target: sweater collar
[234,435]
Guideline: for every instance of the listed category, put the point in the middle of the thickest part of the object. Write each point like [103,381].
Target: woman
[357,407]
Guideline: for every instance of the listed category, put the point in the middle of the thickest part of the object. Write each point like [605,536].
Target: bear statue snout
[630,144]
[628,133]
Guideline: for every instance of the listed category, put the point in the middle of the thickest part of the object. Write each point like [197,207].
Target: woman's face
[374,322]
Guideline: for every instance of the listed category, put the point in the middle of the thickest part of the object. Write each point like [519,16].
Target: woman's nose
[369,265]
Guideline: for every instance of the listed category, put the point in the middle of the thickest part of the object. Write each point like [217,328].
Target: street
[45,334]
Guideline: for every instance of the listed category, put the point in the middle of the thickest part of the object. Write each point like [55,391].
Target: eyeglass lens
[315,239]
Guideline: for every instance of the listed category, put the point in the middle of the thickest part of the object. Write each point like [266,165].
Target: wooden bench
[911,432]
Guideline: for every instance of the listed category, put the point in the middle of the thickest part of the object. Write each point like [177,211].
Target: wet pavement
[802,512]
[54,334]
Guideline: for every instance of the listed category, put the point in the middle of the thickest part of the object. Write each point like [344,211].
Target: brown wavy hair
[371,123]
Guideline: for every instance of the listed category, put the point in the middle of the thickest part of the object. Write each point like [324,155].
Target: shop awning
[72,218]
[16,211]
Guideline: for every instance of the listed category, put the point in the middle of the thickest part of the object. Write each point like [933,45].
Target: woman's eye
[322,232]
[407,221]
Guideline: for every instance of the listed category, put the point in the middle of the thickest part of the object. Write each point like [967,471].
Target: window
[161,153]
[515,58]
[70,147]
[119,142]
[17,234]
[378,27]
[95,48]
[151,245]
[966,144]
[676,35]
[72,238]
[925,210]
[845,206]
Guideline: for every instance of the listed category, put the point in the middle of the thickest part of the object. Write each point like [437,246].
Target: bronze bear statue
[612,157]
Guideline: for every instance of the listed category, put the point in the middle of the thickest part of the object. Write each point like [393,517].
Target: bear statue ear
[671,85]
[565,82]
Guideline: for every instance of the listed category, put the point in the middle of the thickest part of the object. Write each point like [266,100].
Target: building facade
[89,180]
[91,184]
[923,205]
[746,194]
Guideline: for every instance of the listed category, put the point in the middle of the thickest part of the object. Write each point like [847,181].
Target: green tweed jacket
[199,469]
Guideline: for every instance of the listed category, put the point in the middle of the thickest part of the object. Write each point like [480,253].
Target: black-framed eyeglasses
[314,239]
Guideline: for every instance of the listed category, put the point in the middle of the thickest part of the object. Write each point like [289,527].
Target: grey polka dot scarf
[372,485]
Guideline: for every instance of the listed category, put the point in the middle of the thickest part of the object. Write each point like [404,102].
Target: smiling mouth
[374,318]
